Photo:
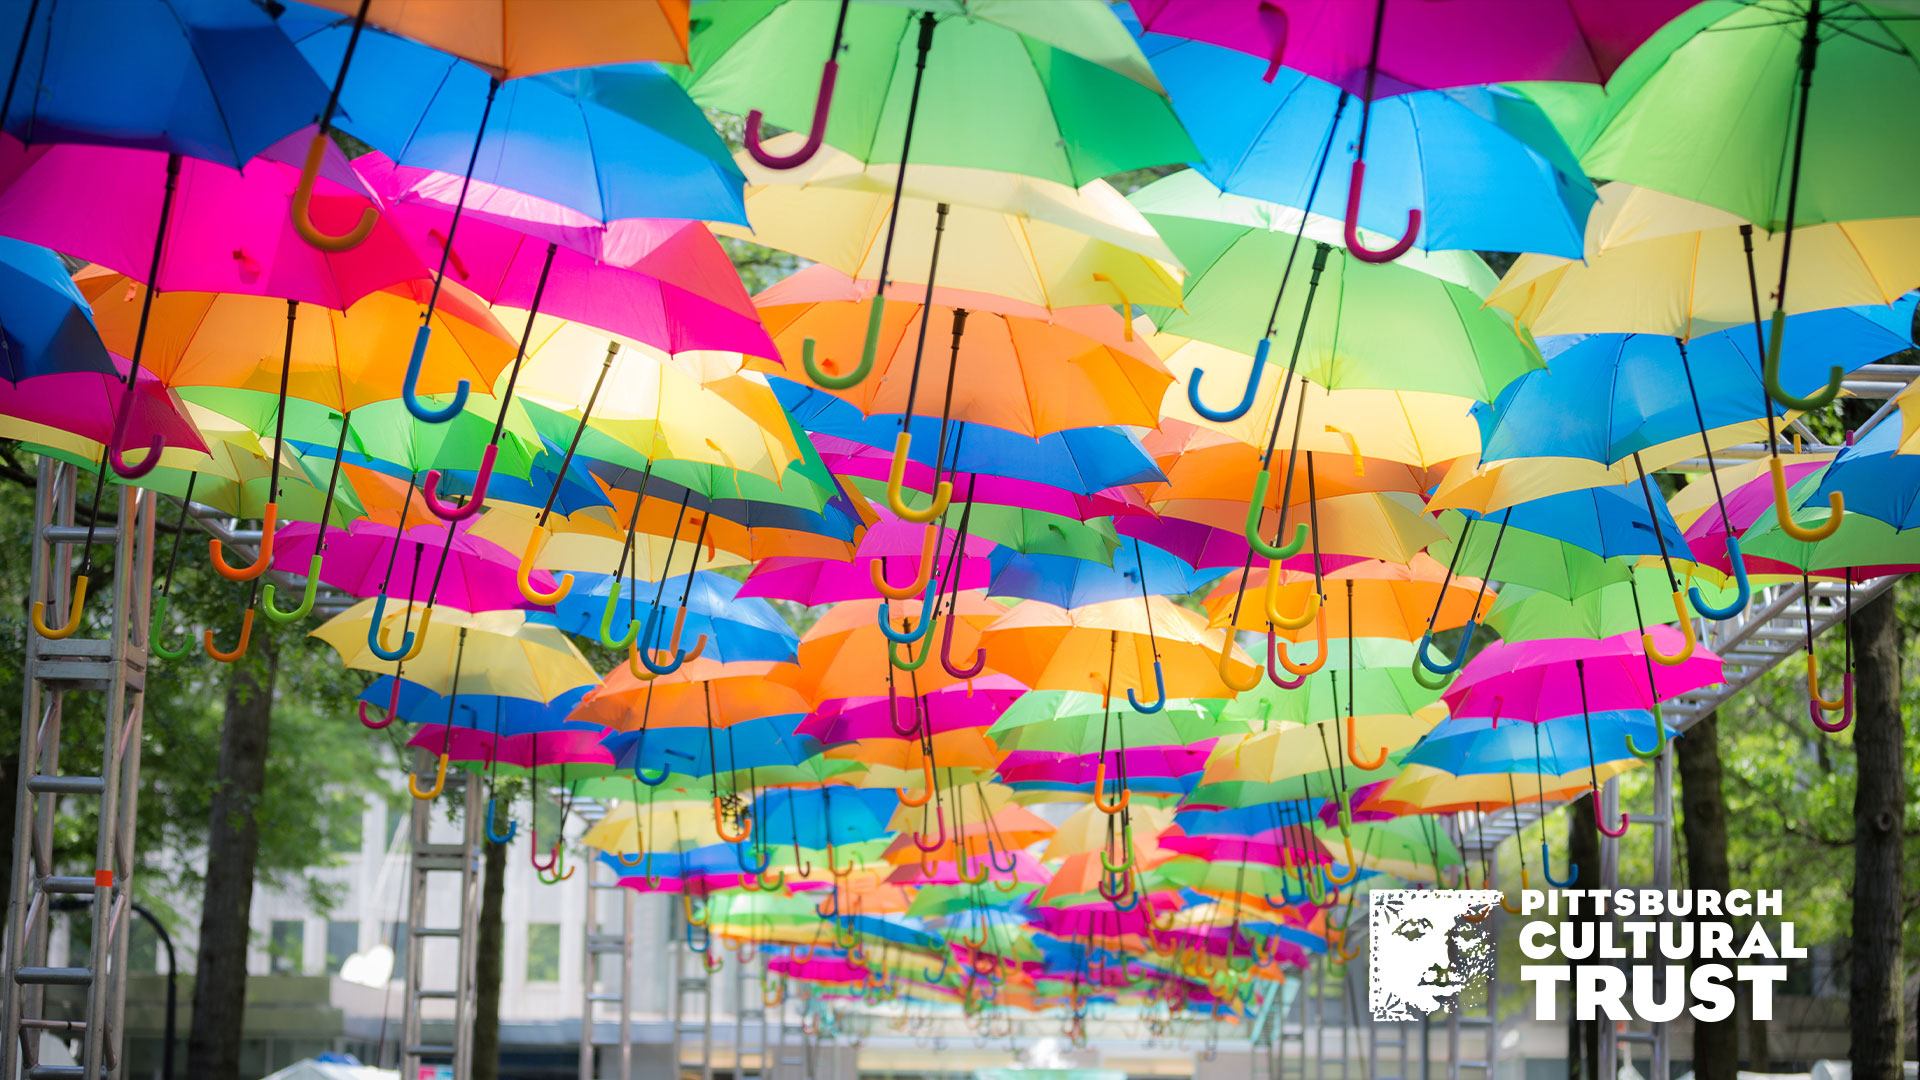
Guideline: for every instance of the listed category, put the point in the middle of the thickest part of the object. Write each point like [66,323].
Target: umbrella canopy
[45,324]
[1052,648]
[1550,678]
[503,653]
[511,39]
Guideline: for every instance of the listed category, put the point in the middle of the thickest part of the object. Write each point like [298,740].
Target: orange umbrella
[1149,651]
[844,655]
[512,38]
[340,359]
[1386,600]
[1201,463]
[699,691]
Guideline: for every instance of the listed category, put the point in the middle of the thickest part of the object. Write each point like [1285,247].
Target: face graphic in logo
[1422,951]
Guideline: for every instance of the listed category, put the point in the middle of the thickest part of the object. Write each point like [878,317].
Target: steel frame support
[597,942]
[429,860]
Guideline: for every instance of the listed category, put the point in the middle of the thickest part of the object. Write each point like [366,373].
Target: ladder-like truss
[431,861]
[598,988]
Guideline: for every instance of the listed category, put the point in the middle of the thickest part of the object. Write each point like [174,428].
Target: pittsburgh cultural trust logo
[1622,954]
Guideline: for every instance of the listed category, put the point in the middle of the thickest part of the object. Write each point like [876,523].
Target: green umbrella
[1382,685]
[1530,559]
[1074,722]
[1524,613]
[1859,541]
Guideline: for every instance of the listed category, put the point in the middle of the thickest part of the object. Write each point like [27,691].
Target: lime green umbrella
[1530,559]
[1361,317]
[1077,722]
[1860,541]
[1377,682]
[1524,613]
[1414,846]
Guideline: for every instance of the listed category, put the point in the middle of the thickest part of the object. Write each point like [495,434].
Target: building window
[286,947]
[343,940]
[543,952]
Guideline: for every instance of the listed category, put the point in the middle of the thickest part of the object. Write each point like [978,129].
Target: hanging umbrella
[416,704]
[506,38]
[1110,646]
[1069,722]
[701,692]
[1521,613]
[1068,582]
[888,543]
[45,325]
[1542,680]
[87,404]
[1877,480]
[735,628]
[460,570]
[844,654]
[504,654]
[1479,745]
[1388,600]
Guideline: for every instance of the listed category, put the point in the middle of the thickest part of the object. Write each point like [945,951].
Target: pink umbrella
[1026,869]
[663,283]
[1203,546]
[478,574]
[1077,920]
[951,708]
[1269,849]
[1556,677]
[1746,504]
[1142,762]
[820,969]
[228,231]
[533,750]
[896,545]
[85,403]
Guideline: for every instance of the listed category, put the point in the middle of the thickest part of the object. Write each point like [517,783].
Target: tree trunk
[489,962]
[1583,852]
[233,845]
[1716,1045]
[1879,801]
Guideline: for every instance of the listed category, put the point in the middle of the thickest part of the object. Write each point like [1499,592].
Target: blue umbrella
[484,712]
[210,79]
[1608,521]
[1605,397]
[1067,582]
[816,817]
[1876,478]
[1478,745]
[45,324]
[760,743]
[1484,165]
[735,628]
[1080,460]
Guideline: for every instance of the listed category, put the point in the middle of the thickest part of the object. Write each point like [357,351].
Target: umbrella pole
[903,444]
[1593,761]
[114,452]
[1679,600]
[1357,177]
[1736,562]
[1257,504]
[271,512]
[822,103]
[536,539]
[20,56]
[316,152]
[1770,372]
[1783,512]
[305,606]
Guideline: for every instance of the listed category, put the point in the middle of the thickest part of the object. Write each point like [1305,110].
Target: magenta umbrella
[1141,763]
[1027,870]
[532,750]
[896,546]
[1270,848]
[663,283]
[1203,547]
[472,574]
[1076,920]
[228,231]
[1747,504]
[1556,677]
[86,403]
[950,708]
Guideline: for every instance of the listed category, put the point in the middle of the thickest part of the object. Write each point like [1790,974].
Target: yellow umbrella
[1293,750]
[668,825]
[1110,647]
[1376,525]
[1387,599]
[1085,832]
[1909,402]
[1037,241]
[1659,264]
[503,654]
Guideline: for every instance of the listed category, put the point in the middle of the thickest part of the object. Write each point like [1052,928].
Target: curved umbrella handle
[523,575]
[439,783]
[1353,749]
[827,908]
[687,910]
[500,839]
[1813,686]
[940,835]
[632,633]
[1770,373]
[1126,305]
[1459,657]
[1614,831]
[822,378]
[228,656]
[1320,655]
[1427,679]
[680,656]
[640,774]
[1226,665]
[156,621]
[1012,861]
[743,854]
[116,445]
[1274,658]
[912,663]
[1353,868]
[1120,867]
[1546,868]
[893,713]
[1255,507]
[822,103]
[1159,701]
[1738,563]
[897,475]
[305,607]
[720,824]
[260,563]
[1816,707]
[300,208]
[559,871]
[1660,738]
[909,636]
[1687,643]
[1783,510]
[975,666]
[1100,791]
[409,388]
[629,860]
[1239,408]
[375,633]
[975,876]
[1280,618]
[877,570]
[392,713]
[926,786]
[76,606]
[449,511]
[1356,180]
[774,884]
[946,961]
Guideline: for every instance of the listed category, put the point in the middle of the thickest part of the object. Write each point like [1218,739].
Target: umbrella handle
[926,786]
[1353,750]
[1280,618]
[826,910]
[939,836]
[1274,657]
[1123,886]
[239,649]
[632,633]
[1353,868]
[1320,655]
[977,876]
[776,997]
[910,636]
[1100,790]
[1738,563]
[1688,641]
[640,774]
[305,607]
[300,209]
[1770,373]
[1239,408]
[1546,868]
[1660,738]
[1459,657]
[1816,707]
[556,874]
[1427,679]
[155,621]
[1116,868]
[897,475]
[1356,180]
[392,713]
[822,104]
[775,884]
[1615,831]
[911,663]
[877,570]
[687,910]
[680,656]
[1525,883]
[374,633]
[975,666]
[1813,686]
[1226,665]
[742,854]
[523,576]
[1353,448]
[449,511]
[626,859]
[261,561]
[1012,862]
[720,824]
[946,961]
[76,606]
[116,445]
[501,839]
[1255,506]
[1126,305]
[822,378]
[893,712]
[1287,897]
[1783,510]
[1159,701]
[408,388]
[439,782]
[1131,902]
[634,665]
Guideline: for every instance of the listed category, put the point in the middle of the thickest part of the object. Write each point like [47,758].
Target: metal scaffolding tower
[112,666]
[599,942]
[430,861]
[1637,1034]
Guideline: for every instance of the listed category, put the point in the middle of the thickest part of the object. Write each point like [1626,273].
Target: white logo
[1423,952]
